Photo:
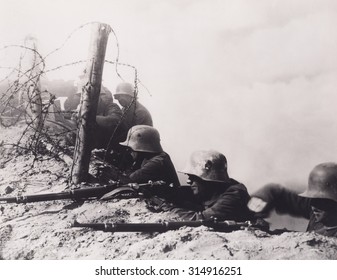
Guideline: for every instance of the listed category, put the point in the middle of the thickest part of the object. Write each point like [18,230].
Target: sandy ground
[42,230]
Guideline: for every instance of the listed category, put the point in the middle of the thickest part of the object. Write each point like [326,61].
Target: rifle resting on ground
[224,226]
[127,190]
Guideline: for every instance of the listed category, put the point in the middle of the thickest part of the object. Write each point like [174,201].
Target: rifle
[224,226]
[121,191]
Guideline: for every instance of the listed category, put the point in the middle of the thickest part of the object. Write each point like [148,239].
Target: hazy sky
[254,79]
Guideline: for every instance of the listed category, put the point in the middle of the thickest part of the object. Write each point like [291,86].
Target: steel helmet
[125,88]
[207,165]
[143,138]
[322,182]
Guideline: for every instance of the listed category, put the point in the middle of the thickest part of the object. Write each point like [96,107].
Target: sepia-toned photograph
[168,130]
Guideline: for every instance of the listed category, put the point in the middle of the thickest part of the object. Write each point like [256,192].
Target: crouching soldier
[318,203]
[135,112]
[151,163]
[211,193]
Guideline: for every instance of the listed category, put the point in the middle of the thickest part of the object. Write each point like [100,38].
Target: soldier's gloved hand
[256,204]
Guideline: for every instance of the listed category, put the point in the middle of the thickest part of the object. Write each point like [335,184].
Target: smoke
[269,132]
[263,92]
[255,80]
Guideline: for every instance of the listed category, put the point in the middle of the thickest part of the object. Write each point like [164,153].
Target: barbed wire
[13,109]
[52,138]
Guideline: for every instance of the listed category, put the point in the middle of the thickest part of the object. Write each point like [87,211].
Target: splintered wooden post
[32,84]
[89,101]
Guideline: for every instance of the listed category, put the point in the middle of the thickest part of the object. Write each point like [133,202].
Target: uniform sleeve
[143,117]
[148,171]
[176,200]
[284,201]
[111,116]
[232,205]
[112,109]
[192,212]
[186,213]
[187,210]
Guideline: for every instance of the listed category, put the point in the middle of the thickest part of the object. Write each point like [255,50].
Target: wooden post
[32,87]
[89,101]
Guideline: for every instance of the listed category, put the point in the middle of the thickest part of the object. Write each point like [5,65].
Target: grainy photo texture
[168,130]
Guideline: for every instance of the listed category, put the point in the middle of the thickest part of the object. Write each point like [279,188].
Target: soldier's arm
[176,200]
[149,171]
[111,117]
[274,196]
[143,117]
[231,205]
[188,210]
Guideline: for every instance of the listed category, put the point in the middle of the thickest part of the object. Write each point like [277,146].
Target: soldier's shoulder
[235,185]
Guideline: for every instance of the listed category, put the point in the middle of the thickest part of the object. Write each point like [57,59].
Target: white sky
[254,79]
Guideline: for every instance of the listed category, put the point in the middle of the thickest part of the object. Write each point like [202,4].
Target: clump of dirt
[42,230]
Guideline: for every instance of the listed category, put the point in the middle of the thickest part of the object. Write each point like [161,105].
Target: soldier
[318,203]
[108,118]
[211,192]
[135,112]
[150,161]
[110,129]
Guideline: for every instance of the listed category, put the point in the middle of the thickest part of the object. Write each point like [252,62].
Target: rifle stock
[76,194]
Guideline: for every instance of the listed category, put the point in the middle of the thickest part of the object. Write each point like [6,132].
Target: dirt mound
[42,230]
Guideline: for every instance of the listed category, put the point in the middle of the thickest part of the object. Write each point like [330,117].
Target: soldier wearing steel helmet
[154,164]
[134,113]
[210,192]
[318,203]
